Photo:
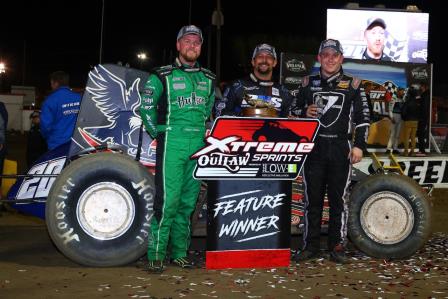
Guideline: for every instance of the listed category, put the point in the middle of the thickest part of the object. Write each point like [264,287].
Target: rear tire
[99,209]
[389,216]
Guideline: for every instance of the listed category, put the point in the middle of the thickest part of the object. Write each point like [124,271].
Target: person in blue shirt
[59,111]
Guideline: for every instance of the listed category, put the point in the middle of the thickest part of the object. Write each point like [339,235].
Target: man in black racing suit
[338,100]
[257,86]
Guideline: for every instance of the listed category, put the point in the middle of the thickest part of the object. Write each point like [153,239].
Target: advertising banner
[388,85]
[255,148]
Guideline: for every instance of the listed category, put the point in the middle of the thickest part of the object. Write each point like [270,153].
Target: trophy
[258,108]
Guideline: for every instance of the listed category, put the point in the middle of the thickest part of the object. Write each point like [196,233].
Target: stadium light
[142,56]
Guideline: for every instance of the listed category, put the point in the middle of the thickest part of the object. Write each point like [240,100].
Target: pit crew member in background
[176,102]
[59,111]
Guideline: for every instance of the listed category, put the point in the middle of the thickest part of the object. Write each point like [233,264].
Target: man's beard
[189,58]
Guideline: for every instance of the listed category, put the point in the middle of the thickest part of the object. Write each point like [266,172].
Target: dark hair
[60,77]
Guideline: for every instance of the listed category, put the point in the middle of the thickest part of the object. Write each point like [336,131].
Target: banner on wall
[386,83]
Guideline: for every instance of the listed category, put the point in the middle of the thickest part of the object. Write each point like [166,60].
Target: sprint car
[96,192]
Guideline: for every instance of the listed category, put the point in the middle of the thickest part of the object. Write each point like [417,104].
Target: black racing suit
[342,100]
[234,96]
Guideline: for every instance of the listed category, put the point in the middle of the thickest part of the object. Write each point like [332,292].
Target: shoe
[420,154]
[155,267]
[337,255]
[306,254]
[395,152]
[183,262]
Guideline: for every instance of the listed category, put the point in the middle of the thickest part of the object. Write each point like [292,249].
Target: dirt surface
[31,267]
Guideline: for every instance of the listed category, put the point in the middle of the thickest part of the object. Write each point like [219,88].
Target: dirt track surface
[31,267]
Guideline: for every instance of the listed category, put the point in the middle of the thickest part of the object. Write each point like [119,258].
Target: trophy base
[259,112]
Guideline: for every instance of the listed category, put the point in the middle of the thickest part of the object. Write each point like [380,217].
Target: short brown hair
[60,77]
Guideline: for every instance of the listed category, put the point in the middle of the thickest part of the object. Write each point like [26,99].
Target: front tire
[99,210]
[389,216]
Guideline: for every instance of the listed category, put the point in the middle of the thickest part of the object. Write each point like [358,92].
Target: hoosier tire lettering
[99,210]
[389,216]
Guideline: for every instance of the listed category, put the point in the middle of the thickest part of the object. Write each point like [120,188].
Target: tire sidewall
[412,193]
[61,209]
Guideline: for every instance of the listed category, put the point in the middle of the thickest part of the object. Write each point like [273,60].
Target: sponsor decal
[295,65]
[255,148]
[420,54]
[293,80]
[178,86]
[148,91]
[250,87]
[329,106]
[343,84]
[192,100]
[275,91]
[419,73]
[39,187]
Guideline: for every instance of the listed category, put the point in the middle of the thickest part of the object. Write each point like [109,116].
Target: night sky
[38,37]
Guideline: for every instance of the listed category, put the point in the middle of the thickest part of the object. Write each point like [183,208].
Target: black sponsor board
[249,188]
[248,214]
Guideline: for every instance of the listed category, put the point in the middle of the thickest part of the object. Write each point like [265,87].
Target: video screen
[381,35]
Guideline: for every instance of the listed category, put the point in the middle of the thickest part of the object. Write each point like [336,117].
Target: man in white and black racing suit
[339,101]
[257,86]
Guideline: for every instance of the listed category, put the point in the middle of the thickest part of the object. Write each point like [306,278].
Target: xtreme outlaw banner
[255,148]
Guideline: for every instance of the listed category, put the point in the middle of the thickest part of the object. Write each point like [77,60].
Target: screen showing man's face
[405,38]
[375,40]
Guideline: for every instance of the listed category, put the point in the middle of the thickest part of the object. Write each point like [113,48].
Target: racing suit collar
[186,67]
[334,77]
[260,82]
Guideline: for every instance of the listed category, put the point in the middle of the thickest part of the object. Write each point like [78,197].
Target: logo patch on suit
[330,105]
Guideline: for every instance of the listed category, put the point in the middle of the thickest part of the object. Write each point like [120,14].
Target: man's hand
[311,111]
[355,155]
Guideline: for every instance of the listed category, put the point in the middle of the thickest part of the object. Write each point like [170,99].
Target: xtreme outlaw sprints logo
[263,148]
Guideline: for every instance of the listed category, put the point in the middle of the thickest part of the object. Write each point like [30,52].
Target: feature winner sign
[250,163]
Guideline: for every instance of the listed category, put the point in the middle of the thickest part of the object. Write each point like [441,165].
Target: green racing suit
[176,102]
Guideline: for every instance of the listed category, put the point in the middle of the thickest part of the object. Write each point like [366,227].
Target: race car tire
[99,209]
[389,216]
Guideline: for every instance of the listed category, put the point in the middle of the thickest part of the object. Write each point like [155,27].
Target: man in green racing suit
[176,102]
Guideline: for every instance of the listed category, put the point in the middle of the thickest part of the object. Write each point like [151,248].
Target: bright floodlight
[2,68]
[142,56]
